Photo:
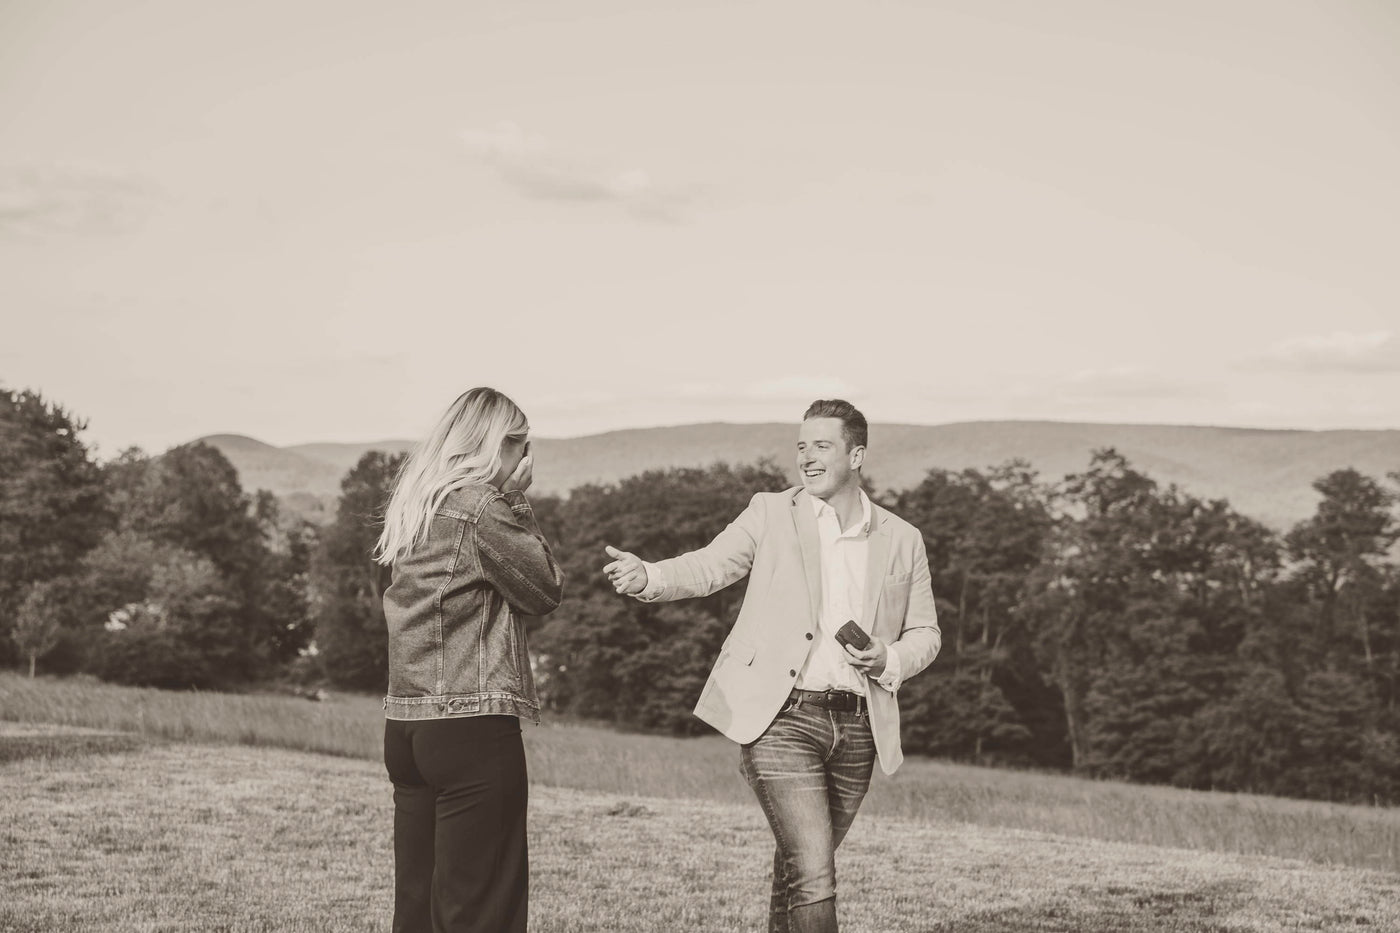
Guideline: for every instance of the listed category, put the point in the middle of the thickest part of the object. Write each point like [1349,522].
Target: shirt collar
[821,506]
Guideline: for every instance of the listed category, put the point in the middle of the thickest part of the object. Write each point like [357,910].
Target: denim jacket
[456,639]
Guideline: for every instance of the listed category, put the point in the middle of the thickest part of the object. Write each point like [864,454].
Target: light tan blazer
[775,542]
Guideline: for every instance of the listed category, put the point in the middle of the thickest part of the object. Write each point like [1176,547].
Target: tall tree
[984,533]
[186,630]
[190,498]
[1341,554]
[346,584]
[37,624]
[1141,610]
[52,508]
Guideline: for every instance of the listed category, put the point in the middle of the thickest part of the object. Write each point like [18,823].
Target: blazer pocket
[740,651]
[898,579]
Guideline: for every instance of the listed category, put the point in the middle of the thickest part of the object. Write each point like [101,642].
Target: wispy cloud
[537,169]
[1337,352]
[68,198]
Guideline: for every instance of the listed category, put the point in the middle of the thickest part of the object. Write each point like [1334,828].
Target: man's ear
[857,457]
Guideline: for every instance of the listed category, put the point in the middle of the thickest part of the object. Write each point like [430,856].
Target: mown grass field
[108,824]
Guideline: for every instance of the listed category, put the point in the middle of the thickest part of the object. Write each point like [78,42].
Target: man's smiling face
[824,462]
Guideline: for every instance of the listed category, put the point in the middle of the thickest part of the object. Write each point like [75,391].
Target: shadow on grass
[67,745]
[1213,908]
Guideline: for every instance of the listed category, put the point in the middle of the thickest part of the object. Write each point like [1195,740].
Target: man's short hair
[854,430]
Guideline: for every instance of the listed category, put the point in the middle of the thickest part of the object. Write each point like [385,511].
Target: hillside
[1263,473]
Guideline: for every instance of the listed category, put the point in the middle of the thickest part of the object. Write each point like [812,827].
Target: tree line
[1102,624]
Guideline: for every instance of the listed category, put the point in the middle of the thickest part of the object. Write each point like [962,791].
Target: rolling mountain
[1264,473]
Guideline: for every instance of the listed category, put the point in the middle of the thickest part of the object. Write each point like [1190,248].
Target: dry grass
[197,838]
[597,759]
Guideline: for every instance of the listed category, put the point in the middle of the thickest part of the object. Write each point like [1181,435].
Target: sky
[322,220]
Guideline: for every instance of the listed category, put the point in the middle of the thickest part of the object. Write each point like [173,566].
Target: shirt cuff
[894,670]
[516,500]
[655,584]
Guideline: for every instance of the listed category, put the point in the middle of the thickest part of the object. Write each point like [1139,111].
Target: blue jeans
[810,770]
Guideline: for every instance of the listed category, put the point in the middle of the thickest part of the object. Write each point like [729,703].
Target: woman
[468,560]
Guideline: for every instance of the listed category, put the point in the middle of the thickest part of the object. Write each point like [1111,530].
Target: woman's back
[456,640]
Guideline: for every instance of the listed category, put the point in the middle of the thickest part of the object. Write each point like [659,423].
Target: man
[810,713]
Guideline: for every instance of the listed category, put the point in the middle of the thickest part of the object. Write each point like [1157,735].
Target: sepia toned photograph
[915,466]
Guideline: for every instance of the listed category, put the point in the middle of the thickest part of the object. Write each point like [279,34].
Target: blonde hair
[463,448]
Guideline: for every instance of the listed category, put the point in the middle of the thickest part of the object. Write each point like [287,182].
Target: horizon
[772,423]
[342,215]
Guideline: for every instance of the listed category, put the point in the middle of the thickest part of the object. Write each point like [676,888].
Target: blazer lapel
[877,564]
[810,543]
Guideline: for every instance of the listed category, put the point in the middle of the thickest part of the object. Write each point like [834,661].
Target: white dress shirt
[844,558]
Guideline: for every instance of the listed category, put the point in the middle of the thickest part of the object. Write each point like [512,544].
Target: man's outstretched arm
[697,573]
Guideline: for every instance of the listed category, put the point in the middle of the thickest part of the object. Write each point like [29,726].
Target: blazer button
[809,636]
[792,673]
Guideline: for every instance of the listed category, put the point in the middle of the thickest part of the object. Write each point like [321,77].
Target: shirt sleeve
[894,670]
[656,584]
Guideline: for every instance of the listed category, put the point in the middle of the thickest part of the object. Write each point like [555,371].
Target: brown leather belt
[839,700]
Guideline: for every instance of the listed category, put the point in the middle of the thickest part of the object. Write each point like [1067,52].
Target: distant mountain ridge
[1266,474]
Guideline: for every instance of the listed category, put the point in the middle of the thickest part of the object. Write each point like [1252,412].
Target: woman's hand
[524,474]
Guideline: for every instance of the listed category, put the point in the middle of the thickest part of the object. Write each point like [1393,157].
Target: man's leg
[786,769]
[848,770]
[777,898]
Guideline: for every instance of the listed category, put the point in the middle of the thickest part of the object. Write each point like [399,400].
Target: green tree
[184,632]
[1341,557]
[52,507]
[280,587]
[347,586]
[984,533]
[1088,579]
[190,499]
[1141,609]
[1342,753]
[37,625]
[1248,739]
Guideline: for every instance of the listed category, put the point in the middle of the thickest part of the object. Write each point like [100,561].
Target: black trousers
[460,859]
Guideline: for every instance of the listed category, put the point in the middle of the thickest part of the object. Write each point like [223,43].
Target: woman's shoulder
[470,501]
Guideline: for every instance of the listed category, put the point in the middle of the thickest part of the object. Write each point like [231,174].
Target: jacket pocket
[739,650]
[894,604]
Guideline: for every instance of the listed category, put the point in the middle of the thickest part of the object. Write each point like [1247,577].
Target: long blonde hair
[463,448]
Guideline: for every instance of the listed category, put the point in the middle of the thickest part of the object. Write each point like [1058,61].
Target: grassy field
[163,836]
[589,758]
